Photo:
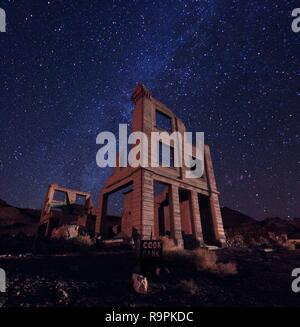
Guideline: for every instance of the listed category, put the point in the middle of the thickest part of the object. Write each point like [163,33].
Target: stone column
[214,199]
[196,217]
[46,214]
[147,206]
[217,219]
[175,218]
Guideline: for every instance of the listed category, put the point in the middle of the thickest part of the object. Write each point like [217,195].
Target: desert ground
[104,279]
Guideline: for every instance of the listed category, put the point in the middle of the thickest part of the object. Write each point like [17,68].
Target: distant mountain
[3,204]
[14,220]
[237,223]
[235,219]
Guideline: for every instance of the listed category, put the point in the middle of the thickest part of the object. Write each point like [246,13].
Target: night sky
[228,68]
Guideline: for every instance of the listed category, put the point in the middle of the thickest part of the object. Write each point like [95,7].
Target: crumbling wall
[66,207]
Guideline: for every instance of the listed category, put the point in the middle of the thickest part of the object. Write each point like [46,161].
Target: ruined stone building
[160,201]
[67,207]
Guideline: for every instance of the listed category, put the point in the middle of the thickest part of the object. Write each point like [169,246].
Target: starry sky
[228,68]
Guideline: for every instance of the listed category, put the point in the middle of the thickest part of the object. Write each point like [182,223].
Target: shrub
[83,241]
[188,286]
[168,243]
[226,269]
[204,259]
[201,260]
[208,261]
[289,246]
[62,246]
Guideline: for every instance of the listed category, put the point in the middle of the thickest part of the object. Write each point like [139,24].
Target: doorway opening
[186,218]
[116,213]
[206,220]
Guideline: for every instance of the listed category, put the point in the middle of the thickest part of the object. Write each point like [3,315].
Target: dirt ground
[103,279]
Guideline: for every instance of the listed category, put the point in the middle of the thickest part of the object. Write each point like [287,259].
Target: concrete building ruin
[161,201]
[144,203]
[64,206]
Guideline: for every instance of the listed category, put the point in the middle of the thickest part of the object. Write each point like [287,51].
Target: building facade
[66,207]
[159,201]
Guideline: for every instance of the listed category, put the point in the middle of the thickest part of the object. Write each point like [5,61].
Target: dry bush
[201,260]
[289,246]
[208,261]
[226,269]
[168,243]
[235,241]
[60,232]
[188,286]
[83,240]
[205,259]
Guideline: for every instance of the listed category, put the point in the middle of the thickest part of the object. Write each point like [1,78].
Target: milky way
[227,68]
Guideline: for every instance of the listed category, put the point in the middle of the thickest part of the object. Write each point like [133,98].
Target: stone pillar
[147,206]
[136,203]
[175,218]
[47,233]
[214,199]
[46,214]
[217,219]
[49,198]
[196,217]
[71,197]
